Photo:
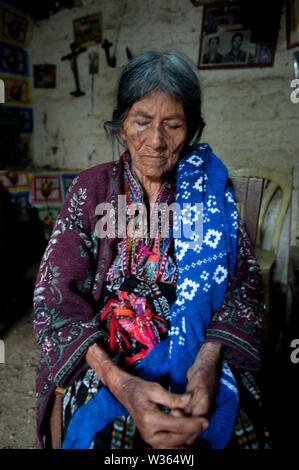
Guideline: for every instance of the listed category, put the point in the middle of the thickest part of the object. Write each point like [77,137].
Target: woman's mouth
[157,157]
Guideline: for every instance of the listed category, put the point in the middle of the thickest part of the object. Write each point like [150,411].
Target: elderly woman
[144,326]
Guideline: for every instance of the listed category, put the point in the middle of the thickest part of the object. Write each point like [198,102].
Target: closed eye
[141,123]
[173,126]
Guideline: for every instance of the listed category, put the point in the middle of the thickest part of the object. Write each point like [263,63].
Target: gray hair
[158,71]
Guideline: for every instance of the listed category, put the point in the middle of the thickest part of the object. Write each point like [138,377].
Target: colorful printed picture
[14,26]
[26,116]
[17,90]
[88,30]
[93,60]
[13,59]
[44,76]
[292,17]
[225,43]
[46,188]
[48,215]
[15,180]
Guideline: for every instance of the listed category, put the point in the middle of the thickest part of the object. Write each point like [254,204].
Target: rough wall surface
[249,115]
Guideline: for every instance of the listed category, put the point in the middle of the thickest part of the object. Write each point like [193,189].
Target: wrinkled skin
[187,418]
[154,132]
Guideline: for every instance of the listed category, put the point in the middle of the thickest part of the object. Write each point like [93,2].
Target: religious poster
[44,76]
[17,90]
[15,29]
[15,180]
[18,185]
[47,194]
[48,216]
[46,188]
[88,30]
[13,60]
[26,115]
[14,26]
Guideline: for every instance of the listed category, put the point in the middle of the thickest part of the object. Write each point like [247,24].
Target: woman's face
[155,131]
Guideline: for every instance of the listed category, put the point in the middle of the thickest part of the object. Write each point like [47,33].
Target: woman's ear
[122,134]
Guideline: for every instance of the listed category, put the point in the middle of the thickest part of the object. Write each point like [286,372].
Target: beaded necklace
[144,252]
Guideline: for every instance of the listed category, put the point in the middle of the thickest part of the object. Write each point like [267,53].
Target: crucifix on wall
[72,57]
[111,61]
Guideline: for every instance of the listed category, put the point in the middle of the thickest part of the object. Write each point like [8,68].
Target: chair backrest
[273,181]
[248,193]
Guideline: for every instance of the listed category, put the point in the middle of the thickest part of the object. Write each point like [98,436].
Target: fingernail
[205,425]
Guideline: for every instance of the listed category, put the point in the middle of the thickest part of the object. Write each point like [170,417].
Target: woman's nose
[155,138]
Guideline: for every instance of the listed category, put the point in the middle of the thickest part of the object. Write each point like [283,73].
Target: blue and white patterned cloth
[206,257]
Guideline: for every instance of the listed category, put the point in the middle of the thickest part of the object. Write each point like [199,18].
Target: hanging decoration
[13,60]
[72,57]
[231,37]
[47,193]
[44,76]
[129,54]
[15,26]
[111,61]
[88,30]
[93,58]
[18,90]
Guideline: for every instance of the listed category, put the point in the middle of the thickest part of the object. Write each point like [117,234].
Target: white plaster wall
[249,115]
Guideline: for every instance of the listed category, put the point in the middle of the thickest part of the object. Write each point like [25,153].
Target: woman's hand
[159,429]
[202,381]
[143,399]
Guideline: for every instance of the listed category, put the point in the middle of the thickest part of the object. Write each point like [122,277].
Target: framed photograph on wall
[13,59]
[15,26]
[225,41]
[17,90]
[44,76]
[88,30]
[292,18]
